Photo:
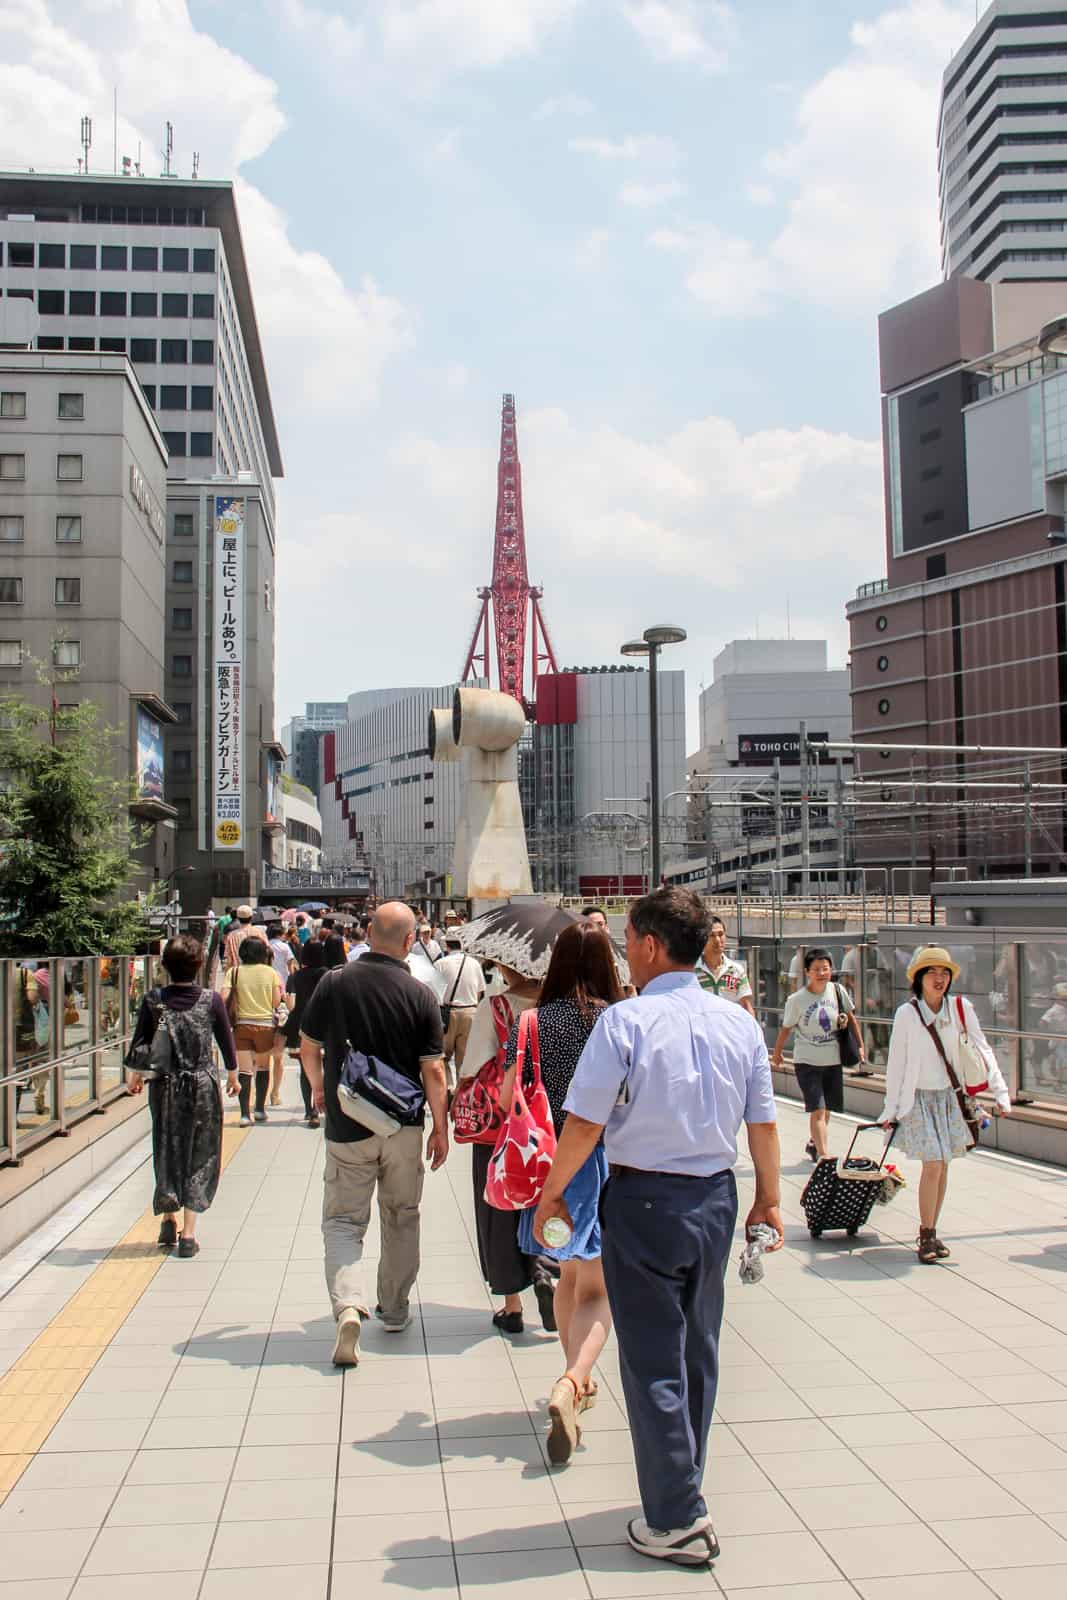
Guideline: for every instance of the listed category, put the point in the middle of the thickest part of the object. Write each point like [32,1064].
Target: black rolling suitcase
[841,1194]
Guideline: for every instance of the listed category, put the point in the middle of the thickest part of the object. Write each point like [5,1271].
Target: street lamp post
[650,645]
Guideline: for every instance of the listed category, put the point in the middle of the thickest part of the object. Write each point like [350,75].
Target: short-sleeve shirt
[387,1013]
[671,1076]
[730,982]
[563,1030]
[815,1018]
[259,989]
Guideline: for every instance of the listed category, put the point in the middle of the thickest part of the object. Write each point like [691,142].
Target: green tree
[66,837]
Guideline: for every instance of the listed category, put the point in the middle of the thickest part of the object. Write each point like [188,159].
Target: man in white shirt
[462,987]
[428,942]
[719,975]
[359,946]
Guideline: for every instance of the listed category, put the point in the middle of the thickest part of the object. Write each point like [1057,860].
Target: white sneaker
[245,1122]
[346,1345]
[694,1546]
[397,1327]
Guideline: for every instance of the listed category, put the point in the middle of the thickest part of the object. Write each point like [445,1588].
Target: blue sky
[666,225]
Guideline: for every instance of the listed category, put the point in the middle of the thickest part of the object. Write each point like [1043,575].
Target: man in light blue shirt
[667,1080]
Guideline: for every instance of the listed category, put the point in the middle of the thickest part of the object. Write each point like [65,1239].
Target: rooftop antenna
[137,169]
[86,139]
[168,148]
[196,164]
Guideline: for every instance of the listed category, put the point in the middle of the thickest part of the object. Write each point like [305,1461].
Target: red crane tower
[514,600]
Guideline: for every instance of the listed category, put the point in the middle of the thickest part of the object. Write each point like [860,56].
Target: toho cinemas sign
[761,749]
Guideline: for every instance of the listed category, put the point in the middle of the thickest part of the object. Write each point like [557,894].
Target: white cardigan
[910,1044]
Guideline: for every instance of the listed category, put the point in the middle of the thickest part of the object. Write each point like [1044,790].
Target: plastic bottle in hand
[759,1238]
[557,1233]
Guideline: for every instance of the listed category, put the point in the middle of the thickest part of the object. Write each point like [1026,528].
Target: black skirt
[186,1140]
[504,1267]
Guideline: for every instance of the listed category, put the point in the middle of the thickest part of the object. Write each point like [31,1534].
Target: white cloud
[563,105]
[644,149]
[592,247]
[724,272]
[857,178]
[326,344]
[436,35]
[677,31]
[645,196]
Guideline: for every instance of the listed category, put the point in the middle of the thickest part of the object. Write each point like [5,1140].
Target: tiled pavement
[886,1430]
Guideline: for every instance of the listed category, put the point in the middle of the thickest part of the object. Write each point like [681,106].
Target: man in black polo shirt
[387,1014]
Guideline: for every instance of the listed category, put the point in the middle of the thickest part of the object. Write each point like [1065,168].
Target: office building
[1002,146]
[303,827]
[155,270]
[964,642]
[82,528]
[300,737]
[741,818]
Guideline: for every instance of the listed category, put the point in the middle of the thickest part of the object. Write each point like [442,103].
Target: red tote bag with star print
[526,1143]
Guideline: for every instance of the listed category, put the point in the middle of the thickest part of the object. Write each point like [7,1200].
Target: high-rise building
[1002,146]
[300,738]
[155,270]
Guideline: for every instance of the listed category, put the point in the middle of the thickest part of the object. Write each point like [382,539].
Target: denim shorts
[823,1088]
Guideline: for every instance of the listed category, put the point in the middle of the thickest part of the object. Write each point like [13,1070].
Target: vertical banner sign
[229,658]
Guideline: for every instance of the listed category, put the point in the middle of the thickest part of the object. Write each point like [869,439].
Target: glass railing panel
[30,985]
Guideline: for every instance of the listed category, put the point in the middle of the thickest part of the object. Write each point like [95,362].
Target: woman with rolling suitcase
[939,1058]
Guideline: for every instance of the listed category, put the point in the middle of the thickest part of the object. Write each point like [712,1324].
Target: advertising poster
[149,757]
[228,833]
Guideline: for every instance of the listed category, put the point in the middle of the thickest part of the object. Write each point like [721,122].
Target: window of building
[201,397]
[182,572]
[883,708]
[203,305]
[51,255]
[81,342]
[11,591]
[936,566]
[183,524]
[930,436]
[174,259]
[13,403]
[68,653]
[68,591]
[183,710]
[150,394]
[10,652]
[114,344]
[20,294]
[175,305]
[181,761]
[181,666]
[72,408]
[145,258]
[930,398]
[20,255]
[12,466]
[203,352]
[928,474]
[12,530]
[113,257]
[83,257]
[200,444]
[51,302]
[174,352]
[143,350]
[933,516]
[183,806]
[143,304]
[172,397]
[175,443]
[113,303]
[203,260]
[68,469]
[49,341]
[83,302]
[68,529]
[883,663]
[181,619]
[882,624]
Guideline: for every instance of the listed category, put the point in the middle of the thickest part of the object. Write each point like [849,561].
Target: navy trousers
[666,1244]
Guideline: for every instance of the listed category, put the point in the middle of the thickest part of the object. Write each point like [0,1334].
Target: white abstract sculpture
[491,861]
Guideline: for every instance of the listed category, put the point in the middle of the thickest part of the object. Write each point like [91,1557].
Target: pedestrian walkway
[885,1430]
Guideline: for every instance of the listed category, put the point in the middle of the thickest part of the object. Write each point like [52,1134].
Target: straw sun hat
[931,955]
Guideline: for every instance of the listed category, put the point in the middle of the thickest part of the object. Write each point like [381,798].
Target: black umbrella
[519,935]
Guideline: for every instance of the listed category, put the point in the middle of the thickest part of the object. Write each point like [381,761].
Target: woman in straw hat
[919,1093]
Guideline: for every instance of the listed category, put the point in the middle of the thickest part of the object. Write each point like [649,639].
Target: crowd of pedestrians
[645,1077]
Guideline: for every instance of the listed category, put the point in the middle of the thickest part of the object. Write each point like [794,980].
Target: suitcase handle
[865,1127]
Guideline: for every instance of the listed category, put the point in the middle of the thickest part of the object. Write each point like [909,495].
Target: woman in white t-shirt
[817,1013]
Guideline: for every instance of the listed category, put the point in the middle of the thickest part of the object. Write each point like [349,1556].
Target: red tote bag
[476,1114]
[526,1143]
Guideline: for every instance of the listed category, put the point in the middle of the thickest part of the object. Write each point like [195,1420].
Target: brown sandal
[588,1397]
[927,1251]
[564,1434]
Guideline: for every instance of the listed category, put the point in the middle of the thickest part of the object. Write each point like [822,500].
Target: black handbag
[847,1042]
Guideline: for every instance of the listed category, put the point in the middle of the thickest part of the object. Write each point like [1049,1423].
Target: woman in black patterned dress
[186,1103]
